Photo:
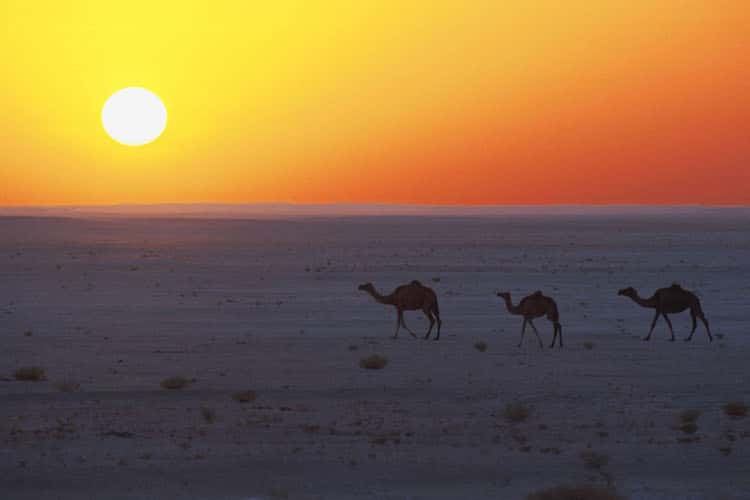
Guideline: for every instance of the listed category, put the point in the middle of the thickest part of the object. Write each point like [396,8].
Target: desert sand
[111,306]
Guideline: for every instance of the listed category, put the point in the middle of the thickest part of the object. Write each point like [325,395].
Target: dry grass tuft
[516,412]
[373,362]
[208,414]
[175,382]
[735,409]
[67,386]
[689,428]
[690,416]
[244,396]
[584,492]
[480,345]
[594,460]
[30,373]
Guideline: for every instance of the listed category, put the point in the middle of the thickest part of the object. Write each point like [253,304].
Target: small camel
[533,306]
[672,300]
[411,297]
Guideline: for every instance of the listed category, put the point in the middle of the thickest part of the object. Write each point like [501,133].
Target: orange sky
[429,102]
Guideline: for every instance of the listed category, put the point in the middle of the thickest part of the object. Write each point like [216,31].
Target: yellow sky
[417,102]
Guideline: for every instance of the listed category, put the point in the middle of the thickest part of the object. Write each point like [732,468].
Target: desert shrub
[735,409]
[583,492]
[373,362]
[208,414]
[480,345]
[244,396]
[689,416]
[174,382]
[689,428]
[30,373]
[594,460]
[588,345]
[516,412]
[67,386]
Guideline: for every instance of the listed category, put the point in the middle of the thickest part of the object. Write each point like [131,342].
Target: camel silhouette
[411,297]
[672,300]
[533,306]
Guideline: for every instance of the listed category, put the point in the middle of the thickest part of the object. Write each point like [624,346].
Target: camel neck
[509,305]
[651,302]
[383,299]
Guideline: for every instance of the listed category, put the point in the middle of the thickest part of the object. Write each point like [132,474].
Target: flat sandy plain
[111,306]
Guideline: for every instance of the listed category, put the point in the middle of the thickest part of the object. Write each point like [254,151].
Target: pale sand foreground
[118,305]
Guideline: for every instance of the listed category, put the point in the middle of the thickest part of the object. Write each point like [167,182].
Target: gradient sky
[430,102]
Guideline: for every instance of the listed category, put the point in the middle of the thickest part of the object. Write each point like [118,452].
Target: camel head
[628,292]
[504,295]
[366,287]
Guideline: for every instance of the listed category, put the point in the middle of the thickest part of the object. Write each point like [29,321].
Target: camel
[672,300]
[411,297]
[533,306]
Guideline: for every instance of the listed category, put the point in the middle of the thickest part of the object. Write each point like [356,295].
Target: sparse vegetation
[175,383]
[516,412]
[373,362]
[594,460]
[67,386]
[688,419]
[689,416]
[588,345]
[689,428]
[208,414]
[584,492]
[735,409]
[244,396]
[480,345]
[30,373]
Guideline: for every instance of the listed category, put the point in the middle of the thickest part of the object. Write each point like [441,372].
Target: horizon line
[344,209]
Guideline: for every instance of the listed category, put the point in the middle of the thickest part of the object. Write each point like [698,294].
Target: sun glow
[134,116]
[376,101]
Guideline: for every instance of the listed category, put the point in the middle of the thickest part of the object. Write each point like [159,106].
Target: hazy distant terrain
[116,304]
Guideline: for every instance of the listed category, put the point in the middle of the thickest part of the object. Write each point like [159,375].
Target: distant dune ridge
[276,210]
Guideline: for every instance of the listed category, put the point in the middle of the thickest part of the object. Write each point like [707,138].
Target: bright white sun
[134,116]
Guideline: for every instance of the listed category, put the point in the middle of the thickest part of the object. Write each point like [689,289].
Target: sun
[134,116]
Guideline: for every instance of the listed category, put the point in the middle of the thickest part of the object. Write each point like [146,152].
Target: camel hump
[538,293]
[676,286]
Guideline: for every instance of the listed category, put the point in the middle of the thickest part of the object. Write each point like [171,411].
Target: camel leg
[557,328]
[669,324]
[695,325]
[554,337]
[523,331]
[439,324]
[708,330]
[432,323]
[403,323]
[541,346]
[399,319]
[653,324]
